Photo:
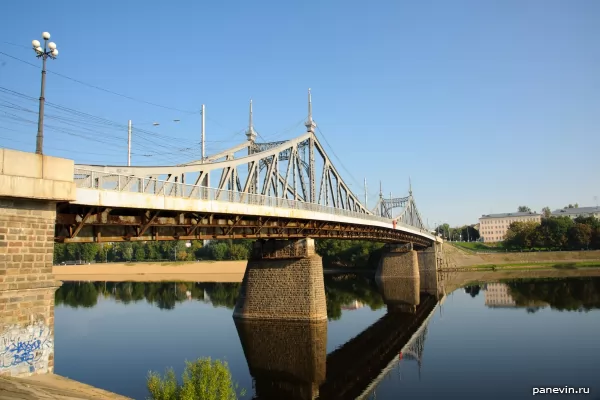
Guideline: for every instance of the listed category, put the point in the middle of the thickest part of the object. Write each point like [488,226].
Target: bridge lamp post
[49,50]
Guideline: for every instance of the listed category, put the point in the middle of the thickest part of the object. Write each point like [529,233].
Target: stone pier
[287,359]
[30,187]
[284,281]
[429,260]
[400,294]
[399,262]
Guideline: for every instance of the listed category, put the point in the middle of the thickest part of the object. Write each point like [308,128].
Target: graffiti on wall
[26,349]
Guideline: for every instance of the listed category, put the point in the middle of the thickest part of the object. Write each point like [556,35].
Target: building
[498,295]
[578,212]
[493,227]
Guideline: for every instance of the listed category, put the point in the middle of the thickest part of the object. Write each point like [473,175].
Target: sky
[484,105]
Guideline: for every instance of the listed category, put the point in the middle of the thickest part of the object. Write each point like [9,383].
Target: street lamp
[49,50]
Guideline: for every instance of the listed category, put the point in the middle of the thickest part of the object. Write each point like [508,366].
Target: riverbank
[51,386]
[459,258]
[193,271]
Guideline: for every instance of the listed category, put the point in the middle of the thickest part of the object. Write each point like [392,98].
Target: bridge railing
[88,179]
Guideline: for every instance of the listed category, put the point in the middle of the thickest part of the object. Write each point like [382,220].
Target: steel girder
[78,223]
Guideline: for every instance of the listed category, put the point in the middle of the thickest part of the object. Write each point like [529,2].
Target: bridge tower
[30,187]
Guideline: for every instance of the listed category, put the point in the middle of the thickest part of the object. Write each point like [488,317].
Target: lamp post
[49,50]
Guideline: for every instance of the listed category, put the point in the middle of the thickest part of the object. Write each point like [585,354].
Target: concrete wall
[33,176]
[27,286]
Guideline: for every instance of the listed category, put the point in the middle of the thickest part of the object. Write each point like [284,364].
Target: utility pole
[203,133]
[129,144]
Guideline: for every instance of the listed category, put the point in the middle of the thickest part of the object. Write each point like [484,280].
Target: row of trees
[578,294]
[165,295]
[464,233]
[342,253]
[152,251]
[554,233]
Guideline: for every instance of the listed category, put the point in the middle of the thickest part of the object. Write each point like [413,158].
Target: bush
[202,379]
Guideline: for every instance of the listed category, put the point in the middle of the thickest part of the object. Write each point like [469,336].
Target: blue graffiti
[21,352]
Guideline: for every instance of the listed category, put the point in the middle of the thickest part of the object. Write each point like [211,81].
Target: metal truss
[78,223]
[409,214]
[297,169]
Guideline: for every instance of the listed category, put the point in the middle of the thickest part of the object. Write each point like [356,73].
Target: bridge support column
[429,260]
[287,359]
[283,280]
[30,187]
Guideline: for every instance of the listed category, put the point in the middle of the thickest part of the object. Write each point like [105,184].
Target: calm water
[492,341]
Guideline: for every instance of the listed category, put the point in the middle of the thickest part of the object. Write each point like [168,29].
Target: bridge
[283,194]
[285,189]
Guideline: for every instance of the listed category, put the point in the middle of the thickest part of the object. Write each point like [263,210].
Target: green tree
[88,251]
[218,250]
[140,253]
[238,252]
[126,251]
[524,209]
[202,379]
[553,232]
[521,235]
[579,236]
[546,212]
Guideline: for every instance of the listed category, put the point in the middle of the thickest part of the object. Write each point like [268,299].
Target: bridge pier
[400,263]
[287,359]
[283,280]
[30,187]
[429,262]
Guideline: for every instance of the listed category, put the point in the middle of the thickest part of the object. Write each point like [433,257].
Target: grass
[545,265]
[478,246]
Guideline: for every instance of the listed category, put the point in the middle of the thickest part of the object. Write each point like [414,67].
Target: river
[488,340]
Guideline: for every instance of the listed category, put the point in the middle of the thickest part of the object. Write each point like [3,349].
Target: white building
[577,212]
[493,227]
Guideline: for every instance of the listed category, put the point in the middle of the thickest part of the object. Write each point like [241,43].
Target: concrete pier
[284,281]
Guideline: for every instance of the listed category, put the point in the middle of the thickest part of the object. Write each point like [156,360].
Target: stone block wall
[400,293]
[27,286]
[398,265]
[284,289]
[286,359]
[428,262]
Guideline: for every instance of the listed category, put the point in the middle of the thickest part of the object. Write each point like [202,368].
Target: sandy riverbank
[221,271]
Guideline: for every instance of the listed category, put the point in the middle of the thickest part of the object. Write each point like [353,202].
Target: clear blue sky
[487,105]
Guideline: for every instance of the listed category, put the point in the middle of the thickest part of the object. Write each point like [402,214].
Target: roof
[515,214]
[577,211]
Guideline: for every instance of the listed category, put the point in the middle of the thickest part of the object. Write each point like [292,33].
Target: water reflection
[291,360]
[165,295]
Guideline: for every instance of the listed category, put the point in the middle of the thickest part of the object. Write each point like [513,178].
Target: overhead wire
[100,88]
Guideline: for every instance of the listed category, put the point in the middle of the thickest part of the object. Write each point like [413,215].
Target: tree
[524,209]
[571,206]
[88,251]
[579,236]
[521,235]
[140,253]
[218,250]
[546,212]
[202,379]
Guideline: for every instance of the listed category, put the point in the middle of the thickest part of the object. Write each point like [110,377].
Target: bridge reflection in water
[289,360]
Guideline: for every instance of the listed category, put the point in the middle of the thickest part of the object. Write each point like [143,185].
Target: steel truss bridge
[285,189]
